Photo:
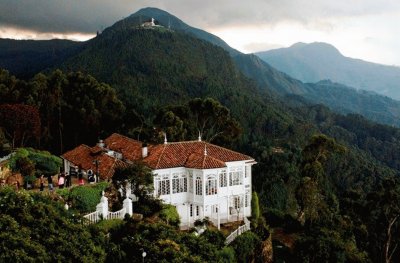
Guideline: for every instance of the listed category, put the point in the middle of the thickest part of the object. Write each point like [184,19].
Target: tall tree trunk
[388,253]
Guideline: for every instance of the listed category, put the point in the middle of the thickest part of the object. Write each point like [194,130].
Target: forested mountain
[328,183]
[25,58]
[50,53]
[319,61]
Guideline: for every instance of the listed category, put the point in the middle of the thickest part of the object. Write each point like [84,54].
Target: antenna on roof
[165,138]
[199,137]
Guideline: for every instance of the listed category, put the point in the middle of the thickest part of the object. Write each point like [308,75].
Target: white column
[102,207]
[227,208]
[127,204]
[218,218]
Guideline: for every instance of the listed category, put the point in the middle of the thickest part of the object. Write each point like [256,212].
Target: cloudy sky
[366,29]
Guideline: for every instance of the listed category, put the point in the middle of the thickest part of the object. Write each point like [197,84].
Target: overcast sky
[366,29]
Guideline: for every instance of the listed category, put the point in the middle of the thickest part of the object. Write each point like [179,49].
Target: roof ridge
[184,142]
[162,153]
[126,137]
[250,158]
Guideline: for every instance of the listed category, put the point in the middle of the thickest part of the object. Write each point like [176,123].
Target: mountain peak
[318,48]
[168,20]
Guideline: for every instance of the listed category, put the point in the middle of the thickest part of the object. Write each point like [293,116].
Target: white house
[199,178]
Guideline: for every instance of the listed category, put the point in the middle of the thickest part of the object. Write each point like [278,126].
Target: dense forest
[327,183]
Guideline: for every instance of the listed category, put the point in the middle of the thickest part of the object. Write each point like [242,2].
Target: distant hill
[25,58]
[125,57]
[318,61]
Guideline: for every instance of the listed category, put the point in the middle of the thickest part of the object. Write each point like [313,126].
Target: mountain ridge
[317,61]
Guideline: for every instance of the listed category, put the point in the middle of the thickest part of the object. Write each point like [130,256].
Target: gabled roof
[130,148]
[190,154]
[83,156]
[201,161]
[177,154]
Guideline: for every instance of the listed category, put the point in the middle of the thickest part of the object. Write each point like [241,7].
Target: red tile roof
[83,156]
[190,154]
[177,155]
[201,161]
[130,148]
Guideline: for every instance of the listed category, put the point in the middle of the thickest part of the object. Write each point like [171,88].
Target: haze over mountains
[113,57]
[319,61]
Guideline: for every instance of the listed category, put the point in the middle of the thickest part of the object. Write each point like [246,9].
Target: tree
[245,246]
[312,191]
[170,215]
[33,227]
[204,117]
[20,123]
[138,175]
[255,207]
[383,206]
[41,162]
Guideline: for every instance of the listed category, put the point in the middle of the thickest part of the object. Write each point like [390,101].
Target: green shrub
[83,198]
[245,245]
[170,215]
[226,255]
[42,161]
[107,225]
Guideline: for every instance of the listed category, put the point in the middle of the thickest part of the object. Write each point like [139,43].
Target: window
[162,185]
[236,176]
[247,199]
[197,210]
[190,182]
[211,185]
[191,210]
[199,186]
[222,179]
[179,183]
[236,205]
[247,171]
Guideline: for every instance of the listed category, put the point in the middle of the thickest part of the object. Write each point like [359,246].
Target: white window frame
[199,185]
[236,176]
[223,181]
[211,185]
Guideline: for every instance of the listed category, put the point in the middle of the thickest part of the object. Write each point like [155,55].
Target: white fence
[103,213]
[117,215]
[96,216]
[240,230]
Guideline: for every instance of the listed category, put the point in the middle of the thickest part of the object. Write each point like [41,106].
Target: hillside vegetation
[328,181]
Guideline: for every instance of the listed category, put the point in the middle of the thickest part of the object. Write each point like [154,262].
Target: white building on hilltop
[149,23]
[199,178]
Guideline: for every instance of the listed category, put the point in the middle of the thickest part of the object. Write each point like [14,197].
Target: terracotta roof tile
[130,148]
[83,156]
[190,154]
[201,161]
[176,155]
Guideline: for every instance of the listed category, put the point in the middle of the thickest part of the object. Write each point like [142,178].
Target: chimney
[144,151]
[101,143]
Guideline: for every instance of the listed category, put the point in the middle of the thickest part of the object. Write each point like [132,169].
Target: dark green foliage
[162,243]
[245,246]
[157,73]
[255,207]
[68,105]
[25,58]
[38,162]
[83,198]
[199,117]
[138,175]
[35,228]
[170,215]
